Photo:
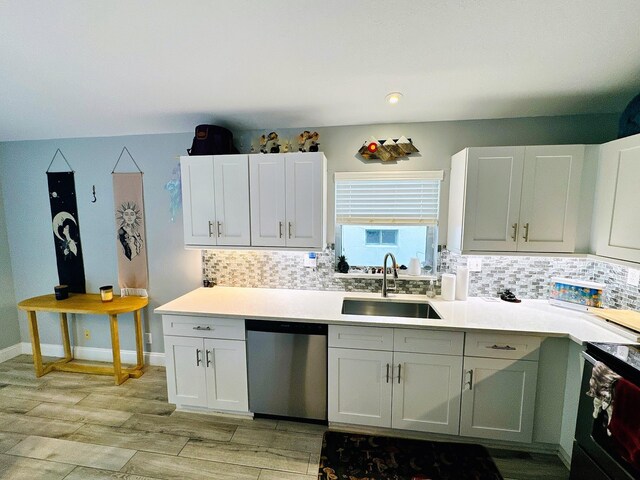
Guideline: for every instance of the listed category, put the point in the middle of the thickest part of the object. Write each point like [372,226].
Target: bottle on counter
[431,289]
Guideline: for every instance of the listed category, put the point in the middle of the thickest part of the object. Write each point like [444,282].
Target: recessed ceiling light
[393,97]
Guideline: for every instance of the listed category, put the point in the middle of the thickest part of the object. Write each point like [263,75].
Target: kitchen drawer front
[205,327]
[495,345]
[365,338]
[428,341]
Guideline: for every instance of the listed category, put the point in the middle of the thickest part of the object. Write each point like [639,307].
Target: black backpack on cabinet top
[212,140]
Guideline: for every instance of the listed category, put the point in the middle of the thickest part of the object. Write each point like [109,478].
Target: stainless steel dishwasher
[287,367]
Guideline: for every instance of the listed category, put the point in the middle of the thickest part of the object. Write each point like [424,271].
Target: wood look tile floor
[82,427]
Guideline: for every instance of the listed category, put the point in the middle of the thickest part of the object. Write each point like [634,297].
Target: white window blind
[398,198]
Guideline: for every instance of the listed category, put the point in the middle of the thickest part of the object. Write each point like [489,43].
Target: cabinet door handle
[515,232]
[218,227]
[470,382]
[289,229]
[399,370]
[208,353]
[387,373]
[280,225]
[210,232]
[502,347]
[198,357]
[526,232]
[200,327]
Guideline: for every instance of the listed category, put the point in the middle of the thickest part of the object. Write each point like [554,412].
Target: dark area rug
[365,457]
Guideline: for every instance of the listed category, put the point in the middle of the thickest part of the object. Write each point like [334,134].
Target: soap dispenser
[431,289]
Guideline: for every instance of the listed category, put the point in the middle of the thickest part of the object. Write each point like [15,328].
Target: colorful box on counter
[576,294]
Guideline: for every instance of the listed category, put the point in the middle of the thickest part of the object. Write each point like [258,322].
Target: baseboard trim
[534,447]
[10,352]
[565,457]
[95,354]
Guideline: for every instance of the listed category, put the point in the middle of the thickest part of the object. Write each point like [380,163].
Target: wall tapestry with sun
[133,276]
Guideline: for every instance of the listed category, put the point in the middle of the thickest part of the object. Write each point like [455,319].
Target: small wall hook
[94,195]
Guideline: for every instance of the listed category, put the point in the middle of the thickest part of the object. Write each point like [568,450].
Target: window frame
[428,174]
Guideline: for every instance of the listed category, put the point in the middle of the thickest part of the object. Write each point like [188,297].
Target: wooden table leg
[139,349]
[35,343]
[64,327]
[119,375]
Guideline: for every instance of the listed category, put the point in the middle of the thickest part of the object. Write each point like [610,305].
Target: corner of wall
[8,310]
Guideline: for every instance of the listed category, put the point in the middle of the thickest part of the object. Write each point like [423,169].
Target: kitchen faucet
[394,265]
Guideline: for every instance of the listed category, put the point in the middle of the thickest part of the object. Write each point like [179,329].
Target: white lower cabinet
[499,394]
[359,391]
[206,372]
[406,390]
[426,397]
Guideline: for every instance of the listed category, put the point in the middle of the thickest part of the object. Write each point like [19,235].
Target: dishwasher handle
[278,326]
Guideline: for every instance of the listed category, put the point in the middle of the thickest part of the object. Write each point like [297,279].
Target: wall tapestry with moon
[66,230]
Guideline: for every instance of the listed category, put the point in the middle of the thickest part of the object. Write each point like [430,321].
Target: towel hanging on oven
[601,389]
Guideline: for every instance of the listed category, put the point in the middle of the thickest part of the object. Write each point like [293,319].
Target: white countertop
[533,317]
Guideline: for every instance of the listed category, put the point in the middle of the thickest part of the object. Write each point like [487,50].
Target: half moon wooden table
[91,304]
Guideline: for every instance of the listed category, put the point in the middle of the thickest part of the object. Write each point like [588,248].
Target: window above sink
[380,212]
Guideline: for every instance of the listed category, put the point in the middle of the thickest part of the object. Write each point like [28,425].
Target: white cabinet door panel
[617,223]
[625,222]
[185,371]
[359,388]
[494,180]
[226,369]
[427,395]
[198,199]
[304,199]
[498,399]
[550,198]
[268,216]
[231,173]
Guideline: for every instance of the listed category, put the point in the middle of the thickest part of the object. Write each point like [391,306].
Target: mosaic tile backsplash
[527,277]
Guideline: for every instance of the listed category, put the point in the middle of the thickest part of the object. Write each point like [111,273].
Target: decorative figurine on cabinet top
[308,142]
[269,143]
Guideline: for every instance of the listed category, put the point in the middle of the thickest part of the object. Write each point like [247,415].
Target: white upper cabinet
[215,195]
[231,174]
[198,200]
[524,199]
[288,199]
[616,225]
[267,200]
[550,198]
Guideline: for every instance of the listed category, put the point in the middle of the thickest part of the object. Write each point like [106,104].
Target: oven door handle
[588,358]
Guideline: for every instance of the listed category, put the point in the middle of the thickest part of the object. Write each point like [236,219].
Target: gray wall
[172,269]
[8,312]
[437,141]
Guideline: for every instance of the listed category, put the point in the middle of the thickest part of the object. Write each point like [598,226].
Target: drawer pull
[515,232]
[470,382]
[502,347]
[280,229]
[218,226]
[210,232]
[289,229]
[387,373]
[198,357]
[200,327]
[526,232]
[399,370]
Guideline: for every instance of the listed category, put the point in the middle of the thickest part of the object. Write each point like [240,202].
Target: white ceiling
[76,68]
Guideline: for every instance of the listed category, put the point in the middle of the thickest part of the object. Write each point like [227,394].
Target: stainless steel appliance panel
[594,457]
[287,368]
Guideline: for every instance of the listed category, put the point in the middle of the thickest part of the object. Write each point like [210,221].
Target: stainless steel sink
[388,308]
